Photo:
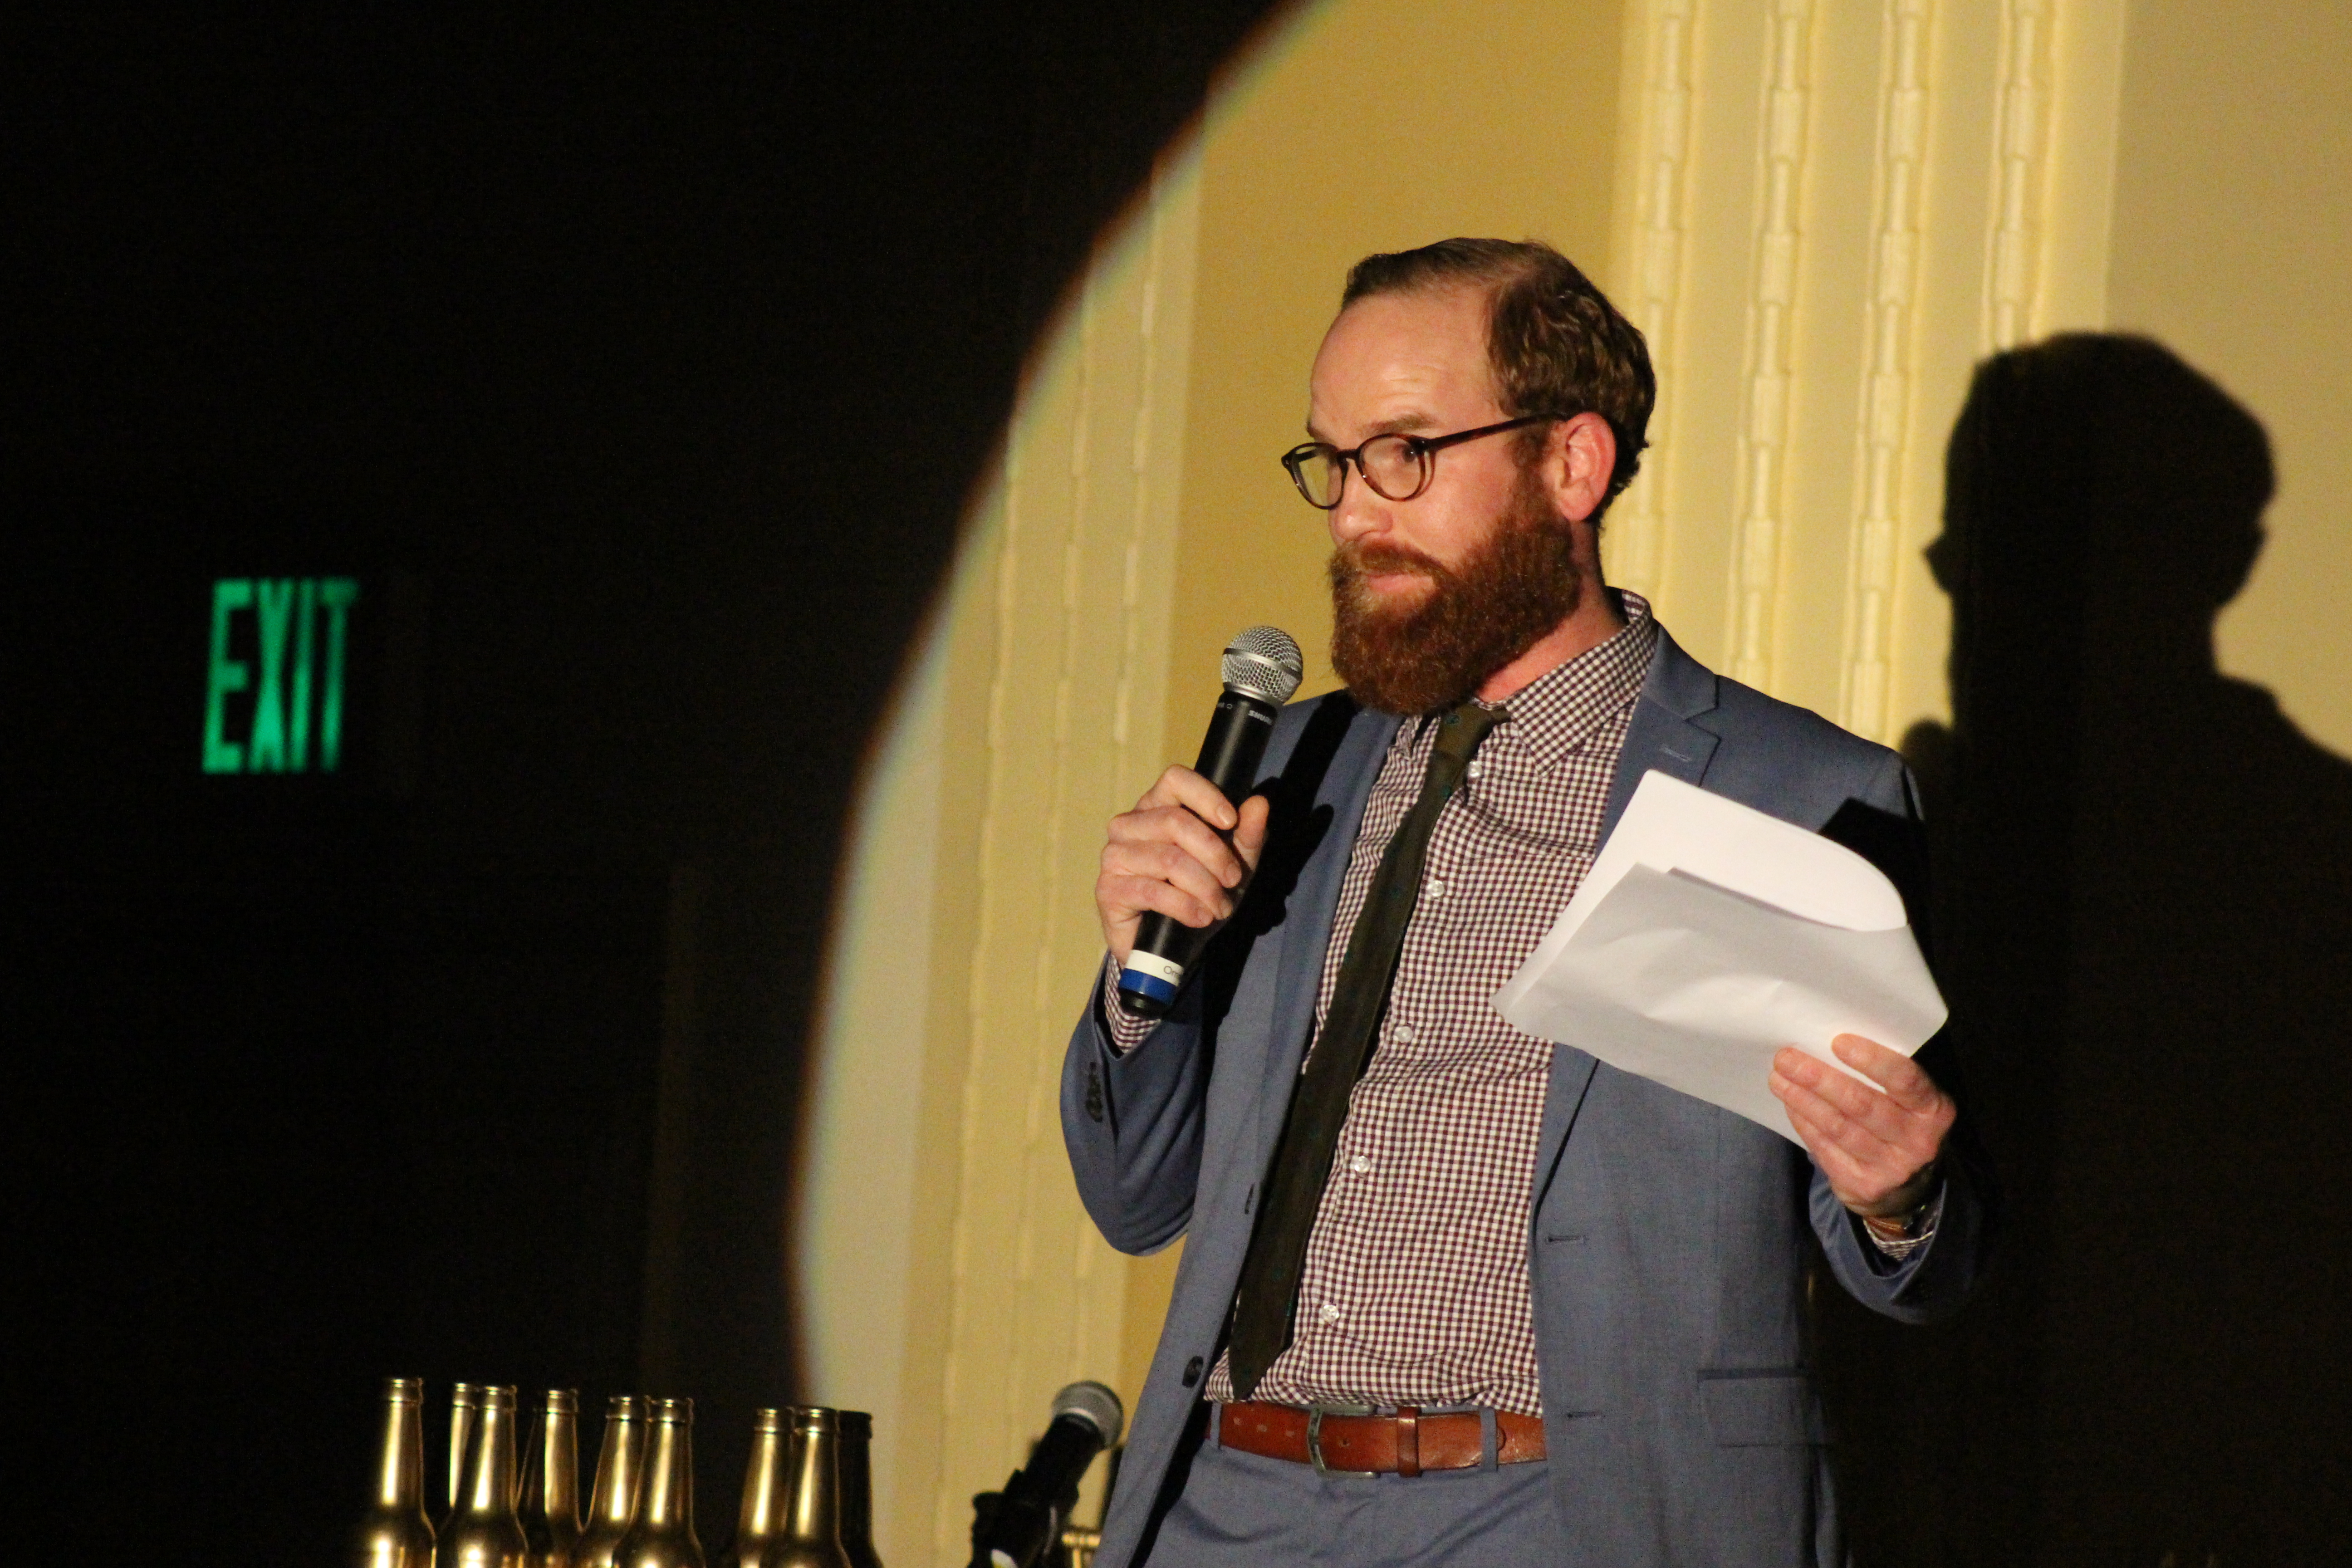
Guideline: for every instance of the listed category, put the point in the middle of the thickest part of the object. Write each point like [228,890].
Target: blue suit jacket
[1667,1251]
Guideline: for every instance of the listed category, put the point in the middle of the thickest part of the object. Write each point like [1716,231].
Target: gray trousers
[1239,1507]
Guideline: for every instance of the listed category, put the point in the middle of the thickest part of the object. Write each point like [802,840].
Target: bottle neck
[857,1485]
[813,1513]
[764,1481]
[464,1404]
[550,1486]
[490,1478]
[613,1502]
[400,1476]
[559,1463]
[666,1500]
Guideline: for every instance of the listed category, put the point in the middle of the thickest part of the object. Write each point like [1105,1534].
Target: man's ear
[1579,460]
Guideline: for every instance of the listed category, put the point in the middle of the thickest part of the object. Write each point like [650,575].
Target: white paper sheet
[1707,936]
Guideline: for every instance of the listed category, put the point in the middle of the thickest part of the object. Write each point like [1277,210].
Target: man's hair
[1555,343]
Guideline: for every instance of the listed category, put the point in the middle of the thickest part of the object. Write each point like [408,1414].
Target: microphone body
[1026,1519]
[1165,948]
[1262,669]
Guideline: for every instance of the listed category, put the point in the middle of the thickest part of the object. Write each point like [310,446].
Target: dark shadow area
[2142,869]
[637,372]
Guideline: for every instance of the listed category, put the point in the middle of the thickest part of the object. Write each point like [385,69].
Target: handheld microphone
[1262,669]
[1018,1524]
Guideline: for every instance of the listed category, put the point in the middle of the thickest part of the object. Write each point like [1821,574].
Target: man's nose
[1361,513]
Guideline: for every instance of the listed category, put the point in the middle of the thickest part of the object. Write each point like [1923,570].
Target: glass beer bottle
[792,1496]
[613,1504]
[663,1535]
[550,1494]
[484,1533]
[857,1489]
[395,1533]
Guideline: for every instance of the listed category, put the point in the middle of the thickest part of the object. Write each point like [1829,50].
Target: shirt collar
[1554,714]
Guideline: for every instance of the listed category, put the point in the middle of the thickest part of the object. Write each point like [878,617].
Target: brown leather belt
[1338,1442]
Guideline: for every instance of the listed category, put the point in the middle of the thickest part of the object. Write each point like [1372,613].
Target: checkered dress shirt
[1415,1290]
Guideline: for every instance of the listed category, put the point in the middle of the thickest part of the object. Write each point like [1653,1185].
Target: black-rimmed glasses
[1397,467]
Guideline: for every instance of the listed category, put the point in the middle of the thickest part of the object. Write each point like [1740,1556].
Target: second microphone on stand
[1014,1528]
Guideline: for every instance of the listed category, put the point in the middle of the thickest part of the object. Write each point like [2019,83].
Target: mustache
[1351,562]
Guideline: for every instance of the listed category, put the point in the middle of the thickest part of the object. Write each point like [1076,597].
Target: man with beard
[1452,1293]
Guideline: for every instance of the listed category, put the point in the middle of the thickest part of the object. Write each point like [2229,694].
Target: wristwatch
[1912,1225]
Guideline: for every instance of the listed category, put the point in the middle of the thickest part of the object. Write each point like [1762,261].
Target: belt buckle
[1314,1414]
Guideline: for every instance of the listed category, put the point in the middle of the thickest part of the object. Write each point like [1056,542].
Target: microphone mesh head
[1093,1403]
[1263,663]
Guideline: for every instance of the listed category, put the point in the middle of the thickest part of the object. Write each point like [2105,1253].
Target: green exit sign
[280,709]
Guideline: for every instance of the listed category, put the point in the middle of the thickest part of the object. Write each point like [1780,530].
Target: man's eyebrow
[1395,424]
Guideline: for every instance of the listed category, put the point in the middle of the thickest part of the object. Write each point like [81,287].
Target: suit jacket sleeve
[1133,1123]
[1930,1284]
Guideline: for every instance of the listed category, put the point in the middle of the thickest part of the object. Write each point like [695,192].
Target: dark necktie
[1267,1302]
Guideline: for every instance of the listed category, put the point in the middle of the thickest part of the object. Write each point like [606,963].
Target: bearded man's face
[1418,654]
[1434,594]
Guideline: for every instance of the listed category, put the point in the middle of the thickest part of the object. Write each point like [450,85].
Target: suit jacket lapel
[1307,934]
[1677,691]
[1665,735]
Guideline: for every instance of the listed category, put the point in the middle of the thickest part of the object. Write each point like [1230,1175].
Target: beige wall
[1822,214]
[2232,239]
[1827,213]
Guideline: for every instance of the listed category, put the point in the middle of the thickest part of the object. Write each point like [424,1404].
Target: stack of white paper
[1707,936]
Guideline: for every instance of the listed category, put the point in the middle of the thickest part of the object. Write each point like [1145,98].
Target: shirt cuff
[1126,1031]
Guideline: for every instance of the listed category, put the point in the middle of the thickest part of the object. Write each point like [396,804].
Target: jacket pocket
[1765,1407]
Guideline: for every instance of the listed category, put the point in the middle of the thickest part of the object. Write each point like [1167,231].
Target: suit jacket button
[1192,1372]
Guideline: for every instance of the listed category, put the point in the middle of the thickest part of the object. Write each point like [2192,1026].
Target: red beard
[1476,616]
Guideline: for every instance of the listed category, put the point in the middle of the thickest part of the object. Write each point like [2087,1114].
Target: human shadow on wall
[2145,896]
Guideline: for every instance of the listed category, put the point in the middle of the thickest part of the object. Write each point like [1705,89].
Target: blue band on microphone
[1143,984]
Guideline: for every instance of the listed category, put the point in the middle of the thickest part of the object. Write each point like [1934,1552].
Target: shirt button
[1404,1033]
[1359,1165]
[1438,889]
[1477,767]
[1331,1312]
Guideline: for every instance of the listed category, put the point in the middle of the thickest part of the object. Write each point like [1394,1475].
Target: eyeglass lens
[1393,465]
